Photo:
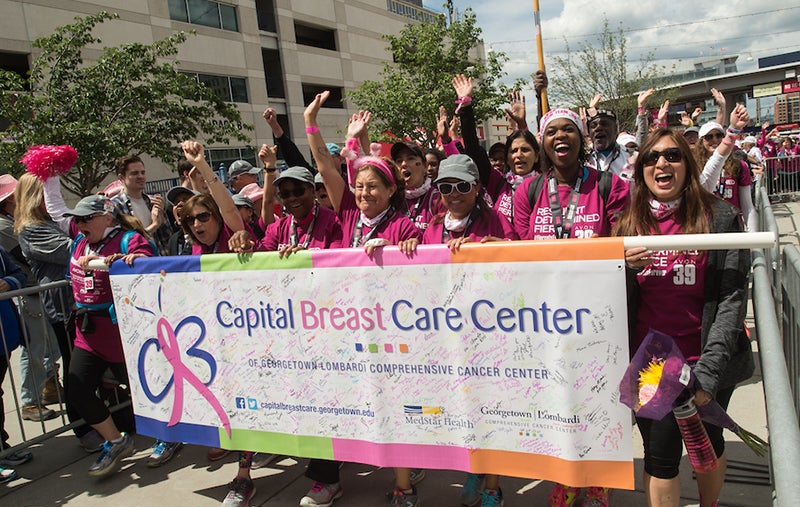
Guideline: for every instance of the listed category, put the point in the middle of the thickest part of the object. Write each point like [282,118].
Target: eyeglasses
[462,187]
[83,220]
[202,217]
[671,154]
[296,192]
[713,135]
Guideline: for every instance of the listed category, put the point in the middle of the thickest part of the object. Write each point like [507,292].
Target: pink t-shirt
[672,294]
[395,229]
[94,288]
[592,215]
[490,224]
[327,232]
[728,187]
[422,209]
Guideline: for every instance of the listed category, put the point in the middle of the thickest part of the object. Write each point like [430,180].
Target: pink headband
[560,113]
[354,162]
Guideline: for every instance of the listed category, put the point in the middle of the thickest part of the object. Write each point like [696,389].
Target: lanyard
[561,225]
[413,212]
[103,243]
[293,234]
[447,235]
[358,228]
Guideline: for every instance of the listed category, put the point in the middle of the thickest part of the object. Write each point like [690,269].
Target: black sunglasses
[203,217]
[713,135]
[83,220]
[463,187]
[296,192]
[671,154]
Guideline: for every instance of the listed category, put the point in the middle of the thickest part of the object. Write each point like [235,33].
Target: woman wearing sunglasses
[210,219]
[698,298]
[100,231]
[468,218]
[733,182]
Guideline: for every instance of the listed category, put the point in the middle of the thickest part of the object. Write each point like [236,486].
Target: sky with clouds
[678,32]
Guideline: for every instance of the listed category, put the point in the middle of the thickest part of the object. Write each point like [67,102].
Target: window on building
[265,11]
[273,72]
[227,88]
[335,100]
[318,37]
[17,63]
[204,12]
[221,159]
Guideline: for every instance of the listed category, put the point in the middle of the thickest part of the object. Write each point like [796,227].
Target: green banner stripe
[259,261]
[277,443]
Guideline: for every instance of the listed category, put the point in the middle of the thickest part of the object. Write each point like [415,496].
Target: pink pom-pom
[349,154]
[45,161]
[375,149]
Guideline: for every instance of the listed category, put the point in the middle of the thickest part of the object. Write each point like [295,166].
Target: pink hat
[113,188]
[7,185]
[252,191]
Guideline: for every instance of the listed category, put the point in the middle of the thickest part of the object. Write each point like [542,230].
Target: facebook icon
[252,403]
[240,403]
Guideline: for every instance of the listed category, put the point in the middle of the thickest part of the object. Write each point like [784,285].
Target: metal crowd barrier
[33,432]
[782,176]
[767,222]
[791,318]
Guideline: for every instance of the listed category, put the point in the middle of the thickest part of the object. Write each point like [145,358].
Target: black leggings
[663,444]
[85,376]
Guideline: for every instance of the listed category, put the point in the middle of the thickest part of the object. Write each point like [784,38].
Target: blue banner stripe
[154,265]
[181,432]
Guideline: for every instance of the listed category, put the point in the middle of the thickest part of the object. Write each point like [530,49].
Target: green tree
[133,99]
[426,56]
[603,68]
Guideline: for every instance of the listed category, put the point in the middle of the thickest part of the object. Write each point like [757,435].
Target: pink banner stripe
[402,455]
[384,256]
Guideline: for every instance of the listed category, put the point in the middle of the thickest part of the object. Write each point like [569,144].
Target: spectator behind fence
[11,278]
[40,350]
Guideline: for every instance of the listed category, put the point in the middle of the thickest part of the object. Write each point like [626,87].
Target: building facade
[254,53]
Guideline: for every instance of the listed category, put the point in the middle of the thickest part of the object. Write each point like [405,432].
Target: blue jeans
[39,351]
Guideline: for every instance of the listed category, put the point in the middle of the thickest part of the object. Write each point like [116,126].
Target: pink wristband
[312,129]
[727,141]
[642,110]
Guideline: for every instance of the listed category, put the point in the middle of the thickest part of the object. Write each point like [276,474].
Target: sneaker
[417,474]
[16,459]
[162,452]
[92,442]
[52,392]
[322,495]
[37,413]
[402,499]
[7,474]
[471,493]
[215,453]
[241,490]
[597,497]
[492,498]
[261,459]
[111,455]
[563,496]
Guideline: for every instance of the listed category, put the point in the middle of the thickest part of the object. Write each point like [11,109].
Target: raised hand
[310,114]
[193,151]
[268,155]
[686,120]
[516,113]
[442,125]
[642,98]
[271,118]
[462,85]
[539,81]
[719,98]
[739,117]
[663,111]
[357,125]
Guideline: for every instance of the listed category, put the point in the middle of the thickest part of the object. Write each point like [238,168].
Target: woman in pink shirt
[697,297]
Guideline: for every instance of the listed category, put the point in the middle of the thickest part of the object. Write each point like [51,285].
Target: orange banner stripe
[549,250]
[611,474]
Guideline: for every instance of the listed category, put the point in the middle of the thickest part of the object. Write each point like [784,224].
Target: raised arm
[193,151]
[268,156]
[516,111]
[55,205]
[291,153]
[709,178]
[331,175]
[641,116]
[721,102]
[463,87]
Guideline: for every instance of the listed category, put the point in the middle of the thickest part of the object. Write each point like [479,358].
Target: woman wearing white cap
[733,183]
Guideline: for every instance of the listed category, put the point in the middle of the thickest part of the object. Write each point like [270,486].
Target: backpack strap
[535,189]
[126,239]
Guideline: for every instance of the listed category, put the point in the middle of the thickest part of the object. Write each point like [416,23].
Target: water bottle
[698,446]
